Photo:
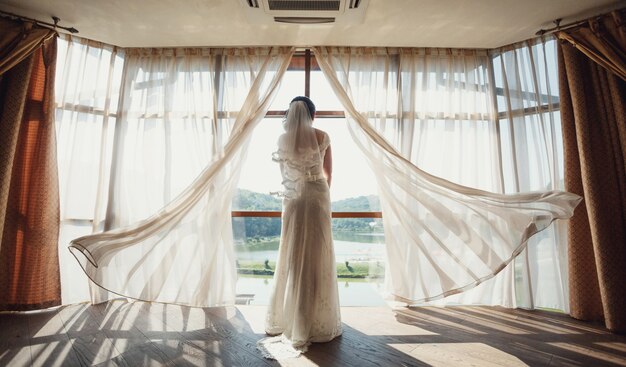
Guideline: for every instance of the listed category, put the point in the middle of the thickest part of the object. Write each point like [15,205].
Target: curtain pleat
[593,114]
[29,200]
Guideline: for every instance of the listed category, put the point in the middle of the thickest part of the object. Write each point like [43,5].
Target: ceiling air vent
[305,11]
[304,5]
[303,20]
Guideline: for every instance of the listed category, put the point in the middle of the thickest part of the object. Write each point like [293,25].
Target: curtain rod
[559,27]
[40,22]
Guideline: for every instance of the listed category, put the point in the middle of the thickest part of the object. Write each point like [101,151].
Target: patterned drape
[593,114]
[29,201]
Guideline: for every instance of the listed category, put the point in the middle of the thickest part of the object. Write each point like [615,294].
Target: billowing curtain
[412,110]
[179,141]
[29,201]
[593,109]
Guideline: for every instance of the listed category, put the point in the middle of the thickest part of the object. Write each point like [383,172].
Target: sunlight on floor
[55,353]
[154,334]
[597,354]
[526,322]
[620,347]
[470,354]
[438,320]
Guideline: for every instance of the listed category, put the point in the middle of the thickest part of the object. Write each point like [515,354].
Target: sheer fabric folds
[444,238]
[87,91]
[528,132]
[186,117]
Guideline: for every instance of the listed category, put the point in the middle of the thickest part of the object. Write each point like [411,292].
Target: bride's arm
[328,165]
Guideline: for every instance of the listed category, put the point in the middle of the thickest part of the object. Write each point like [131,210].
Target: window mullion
[307,73]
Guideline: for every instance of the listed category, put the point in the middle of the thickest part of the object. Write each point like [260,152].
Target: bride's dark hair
[309,104]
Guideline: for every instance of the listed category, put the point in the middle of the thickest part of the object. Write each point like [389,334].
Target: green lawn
[351,270]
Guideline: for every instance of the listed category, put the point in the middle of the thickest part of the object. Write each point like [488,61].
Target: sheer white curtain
[426,121]
[529,126]
[86,95]
[185,118]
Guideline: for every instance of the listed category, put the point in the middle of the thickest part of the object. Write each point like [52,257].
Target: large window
[357,227]
[522,87]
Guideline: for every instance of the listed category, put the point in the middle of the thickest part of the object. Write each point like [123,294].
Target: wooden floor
[141,334]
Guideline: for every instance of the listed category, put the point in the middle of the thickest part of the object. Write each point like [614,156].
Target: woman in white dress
[304,305]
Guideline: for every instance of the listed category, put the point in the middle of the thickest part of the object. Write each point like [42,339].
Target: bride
[304,305]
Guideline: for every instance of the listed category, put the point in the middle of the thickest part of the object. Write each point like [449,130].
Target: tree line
[270,227]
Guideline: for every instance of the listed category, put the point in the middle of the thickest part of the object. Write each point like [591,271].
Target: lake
[256,290]
[348,247]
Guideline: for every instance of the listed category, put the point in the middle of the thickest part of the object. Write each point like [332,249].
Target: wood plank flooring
[153,334]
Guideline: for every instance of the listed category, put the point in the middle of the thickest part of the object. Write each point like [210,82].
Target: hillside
[257,228]
[357,204]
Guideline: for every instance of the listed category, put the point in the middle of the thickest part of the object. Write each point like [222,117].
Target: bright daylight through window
[518,149]
[358,239]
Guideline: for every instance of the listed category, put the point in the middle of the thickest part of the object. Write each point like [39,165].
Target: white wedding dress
[304,305]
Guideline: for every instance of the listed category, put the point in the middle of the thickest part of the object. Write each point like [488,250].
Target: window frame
[305,61]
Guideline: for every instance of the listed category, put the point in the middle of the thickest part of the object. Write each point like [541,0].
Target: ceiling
[407,23]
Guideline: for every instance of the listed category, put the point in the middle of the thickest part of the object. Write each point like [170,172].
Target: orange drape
[593,117]
[29,199]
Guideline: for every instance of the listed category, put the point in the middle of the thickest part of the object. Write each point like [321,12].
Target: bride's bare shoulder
[319,134]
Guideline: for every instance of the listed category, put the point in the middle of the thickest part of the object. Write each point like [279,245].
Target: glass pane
[82,159]
[530,77]
[259,174]
[291,85]
[322,94]
[72,67]
[353,186]
[532,153]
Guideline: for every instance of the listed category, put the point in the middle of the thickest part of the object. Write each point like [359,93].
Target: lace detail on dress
[300,166]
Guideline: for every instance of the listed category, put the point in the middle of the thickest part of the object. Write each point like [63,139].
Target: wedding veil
[298,149]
